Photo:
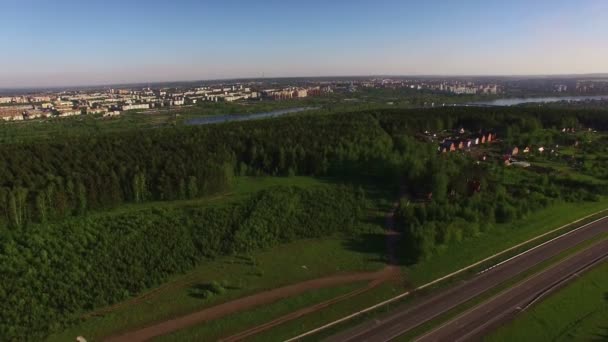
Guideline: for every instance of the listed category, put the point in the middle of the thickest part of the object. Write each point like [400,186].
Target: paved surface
[409,316]
[484,318]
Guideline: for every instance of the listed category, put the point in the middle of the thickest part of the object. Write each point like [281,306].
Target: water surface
[517,101]
[244,117]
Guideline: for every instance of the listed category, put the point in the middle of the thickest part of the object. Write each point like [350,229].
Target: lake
[517,101]
[207,120]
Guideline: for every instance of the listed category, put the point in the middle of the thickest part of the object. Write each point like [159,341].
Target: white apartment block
[135,106]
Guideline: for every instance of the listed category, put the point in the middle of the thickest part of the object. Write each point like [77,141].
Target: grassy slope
[453,258]
[332,313]
[471,250]
[232,324]
[578,312]
[244,275]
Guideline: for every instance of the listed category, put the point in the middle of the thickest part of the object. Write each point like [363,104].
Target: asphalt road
[409,316]
[484,318]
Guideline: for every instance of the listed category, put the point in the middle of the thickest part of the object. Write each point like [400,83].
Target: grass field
[453,258]
[337,311]
[578,312]
[239,275]
[248,274]
[232,324]
[461,254]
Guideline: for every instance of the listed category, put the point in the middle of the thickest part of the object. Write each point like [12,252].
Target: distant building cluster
[465,141]
[447,86]
[291,93]
[111,102]
[592,86]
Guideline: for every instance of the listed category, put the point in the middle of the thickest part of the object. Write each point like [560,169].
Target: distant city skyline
[69,43]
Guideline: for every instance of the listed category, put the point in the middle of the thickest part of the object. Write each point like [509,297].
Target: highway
[484,318]
[408,316]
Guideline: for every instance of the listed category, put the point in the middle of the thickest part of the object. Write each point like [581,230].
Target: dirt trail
[390,272]
[299,313]
[248,302]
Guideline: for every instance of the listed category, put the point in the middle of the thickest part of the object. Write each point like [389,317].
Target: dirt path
[248,302]
[299,313]
[390,272]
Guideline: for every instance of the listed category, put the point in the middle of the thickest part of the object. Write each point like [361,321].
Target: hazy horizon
[334,77]
[74,43]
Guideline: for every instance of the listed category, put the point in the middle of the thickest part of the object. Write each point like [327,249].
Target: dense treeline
[41,182]
[451,198]
[51,272]
[471,199]
[55,265]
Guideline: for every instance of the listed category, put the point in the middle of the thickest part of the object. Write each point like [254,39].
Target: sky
[69,42]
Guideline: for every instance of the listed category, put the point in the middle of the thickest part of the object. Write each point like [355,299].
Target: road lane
[484,318]
[409,316]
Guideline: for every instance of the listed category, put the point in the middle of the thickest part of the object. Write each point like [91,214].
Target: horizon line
[570,75]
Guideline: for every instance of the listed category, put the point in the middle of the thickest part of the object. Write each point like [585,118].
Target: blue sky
[66,42]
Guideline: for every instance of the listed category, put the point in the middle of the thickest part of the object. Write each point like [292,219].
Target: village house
[515,151]
[490,137]
[447,146]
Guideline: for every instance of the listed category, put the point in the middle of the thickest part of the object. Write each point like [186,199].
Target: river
[517,101]
[206,120]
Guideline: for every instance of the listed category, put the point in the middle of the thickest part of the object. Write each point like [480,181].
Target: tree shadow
[241,260]
[207,290]
[375,246]
[200,291]
[603,336]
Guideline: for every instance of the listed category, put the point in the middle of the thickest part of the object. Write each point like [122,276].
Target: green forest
[64,252]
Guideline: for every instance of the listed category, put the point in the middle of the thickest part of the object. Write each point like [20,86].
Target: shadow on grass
[241,260]
[207,290]
[603,336]
[375,245]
